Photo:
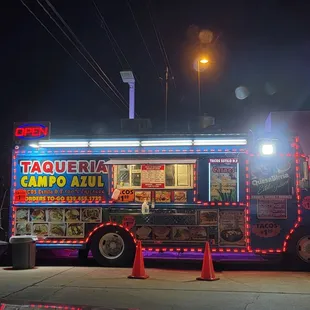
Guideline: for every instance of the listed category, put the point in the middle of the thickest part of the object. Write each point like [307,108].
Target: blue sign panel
[60,180]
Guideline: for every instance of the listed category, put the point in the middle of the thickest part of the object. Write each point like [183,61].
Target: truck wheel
[298,255]
[113,246]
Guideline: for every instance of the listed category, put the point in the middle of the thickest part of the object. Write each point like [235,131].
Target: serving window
[169,176]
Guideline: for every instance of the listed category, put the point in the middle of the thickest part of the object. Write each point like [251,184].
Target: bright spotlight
[267,149]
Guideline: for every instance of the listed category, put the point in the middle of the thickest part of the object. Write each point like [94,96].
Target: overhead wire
[110,35]
[103,75]
[113,41]
[69,54]
[160,42]
[143,40]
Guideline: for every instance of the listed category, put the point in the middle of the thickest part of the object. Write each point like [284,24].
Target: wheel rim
[303,248]
[111,246]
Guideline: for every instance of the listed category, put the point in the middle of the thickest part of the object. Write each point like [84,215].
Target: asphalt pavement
[172,285]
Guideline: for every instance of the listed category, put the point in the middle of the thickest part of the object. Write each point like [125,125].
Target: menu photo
[140,196]
[23,228]
[232,228]
[75,230]
[72,215]
[55,215]
[208,217]
[223,180]
[40,229]
[180,196]
[163,196]
[57,230]
[22,215]
[144,232]
[91,215]
[38,215]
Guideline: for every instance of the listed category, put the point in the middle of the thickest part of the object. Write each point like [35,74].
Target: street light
[200,61]
[128,77]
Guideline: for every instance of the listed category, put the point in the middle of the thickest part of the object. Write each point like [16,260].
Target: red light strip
[247,207]
[195,183]
[48,306]
[217,250]
[297,156]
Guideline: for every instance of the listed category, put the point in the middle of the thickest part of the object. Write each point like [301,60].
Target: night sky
[262,45]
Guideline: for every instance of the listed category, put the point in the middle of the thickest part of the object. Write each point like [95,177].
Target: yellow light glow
[203,61]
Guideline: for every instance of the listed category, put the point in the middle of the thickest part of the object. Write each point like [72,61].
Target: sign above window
[32,131]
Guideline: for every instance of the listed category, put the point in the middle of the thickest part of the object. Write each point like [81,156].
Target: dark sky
[257,42]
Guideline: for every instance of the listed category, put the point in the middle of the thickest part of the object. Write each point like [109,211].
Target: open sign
[32,131]
[126,195]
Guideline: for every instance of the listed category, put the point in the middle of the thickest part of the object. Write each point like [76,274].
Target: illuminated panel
[57,180]
[63,144]
[32,131]
[220,142]
[166,143]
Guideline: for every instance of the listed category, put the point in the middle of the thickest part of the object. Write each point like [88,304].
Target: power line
[111,36]
[144,42]
[104,25]
[85,71]
[113,40]
[115,90]
[160,42]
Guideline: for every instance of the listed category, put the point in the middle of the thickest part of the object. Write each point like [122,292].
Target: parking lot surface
[165,289]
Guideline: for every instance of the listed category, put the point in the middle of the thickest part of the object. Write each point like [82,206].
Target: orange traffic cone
[207,272]
[138,271]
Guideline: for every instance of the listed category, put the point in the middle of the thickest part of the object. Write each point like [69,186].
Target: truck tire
[298,251]
[113,246]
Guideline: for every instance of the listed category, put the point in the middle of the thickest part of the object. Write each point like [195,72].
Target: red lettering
[92,166]
[72,166]
[48,167]
[19,132]
[60,166]
[35,168]
[83,166]
[37,131]
[101,167]
[25,166]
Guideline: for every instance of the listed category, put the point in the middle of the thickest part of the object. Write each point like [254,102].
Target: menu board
[223,179]
[178,233]
[55,222]
[232,228]
[153,176]
[271,208]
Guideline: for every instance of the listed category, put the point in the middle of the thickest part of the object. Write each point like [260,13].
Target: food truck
[246,196]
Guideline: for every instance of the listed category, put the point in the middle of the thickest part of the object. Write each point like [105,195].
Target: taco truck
[247,197]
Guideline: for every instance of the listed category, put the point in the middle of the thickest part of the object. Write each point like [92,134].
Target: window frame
[175,187]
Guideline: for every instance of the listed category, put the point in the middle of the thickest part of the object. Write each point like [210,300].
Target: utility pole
[166,98]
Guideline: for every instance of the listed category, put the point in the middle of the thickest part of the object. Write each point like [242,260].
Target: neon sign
[32,131]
